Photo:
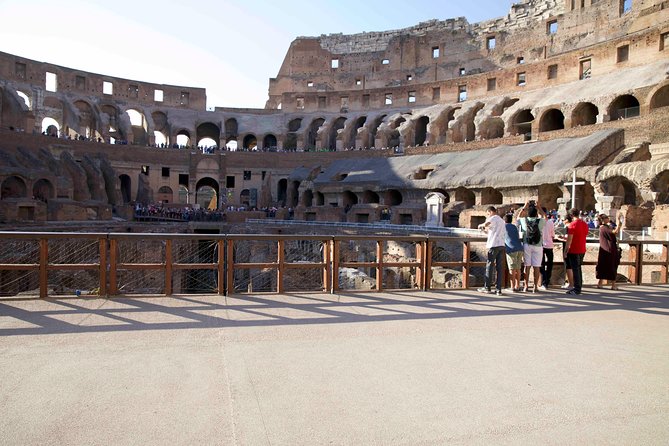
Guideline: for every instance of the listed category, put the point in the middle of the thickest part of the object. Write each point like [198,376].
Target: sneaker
[498,293]
[573,292]
[565,286]
[484,290]
[542,288]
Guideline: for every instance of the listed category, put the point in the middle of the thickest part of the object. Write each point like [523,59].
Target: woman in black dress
[608,259]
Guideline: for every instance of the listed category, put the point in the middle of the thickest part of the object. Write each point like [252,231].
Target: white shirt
[496,231]
[549,233]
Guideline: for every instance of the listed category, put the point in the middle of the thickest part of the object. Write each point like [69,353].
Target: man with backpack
[531,228]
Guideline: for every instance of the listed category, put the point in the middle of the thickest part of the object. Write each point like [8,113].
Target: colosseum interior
[361,128]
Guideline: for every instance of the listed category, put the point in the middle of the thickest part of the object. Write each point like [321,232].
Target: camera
[532,203]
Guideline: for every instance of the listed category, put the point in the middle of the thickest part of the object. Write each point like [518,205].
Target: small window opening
[664,41]
[165,172]
[492,84]
[623,53]
[462,93]
[520,79]
[389,98]
[520,60]
[552,71]
[491,42]
[585,69]
[625,6]
[51,82]
[299,103]
[247,175]
[409,77]
[310,84]
[107,87]
[435,52]
[158,95]
[436,93]
[145,170]
[358,82]
[385,61]
[552,27]
[462,71]
[422,173]
[334,63]
[230,182]
[412,97]
[80,82]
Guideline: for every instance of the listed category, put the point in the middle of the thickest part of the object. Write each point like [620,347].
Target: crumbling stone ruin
[362,127]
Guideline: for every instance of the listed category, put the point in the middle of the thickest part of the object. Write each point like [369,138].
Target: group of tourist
[529,241]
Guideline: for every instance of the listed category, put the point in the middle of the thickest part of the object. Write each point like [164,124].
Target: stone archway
[207,192]
[490,195]
[552,119]
[13,187]
[43,190]
[420,133]
[585,113]
[622,107]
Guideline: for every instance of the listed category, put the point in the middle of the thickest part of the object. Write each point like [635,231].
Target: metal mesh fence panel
[194,251]
[399,278]
[442,278]
[362,279]
[79,283]
[141,282]
[18,251]
[194,281]
[309,279]
[255,251]
[447,251]
[141,251]
[249,280]
[296,251]
[357,251]
[400,251]
[19,283]
[74,251]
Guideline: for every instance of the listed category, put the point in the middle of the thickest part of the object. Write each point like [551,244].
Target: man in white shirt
[495,227]
[547,260]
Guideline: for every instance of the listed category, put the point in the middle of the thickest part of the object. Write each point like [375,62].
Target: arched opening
[490,195]
[139,126]
[552,119]
[334,131]
[421,130]
[231,145]
[501,108]
[312,134]
[250,142]
[126,191]
[585,113]
[521,124]
[307,198]
[660,185]
[354,132]
[206,193]
[349,199]
[269,142]
[369,197]
[183,194]
[183,139]
[294,194]
[548,195]
[13,187]
[373,130]
[25,98]
[43,190]
[208,135]
[50,126]
[466,196]
[623,107]
[394,140]
[660,98]
[207,145]
[291,137]
[491,128]
[245,197]
[159,139]
[392,197]
[320,199]
[87,121]
[282,191]
[165,194]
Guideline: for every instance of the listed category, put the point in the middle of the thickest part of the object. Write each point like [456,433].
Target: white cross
[573,185]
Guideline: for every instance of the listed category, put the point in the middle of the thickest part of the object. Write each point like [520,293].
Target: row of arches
[15,187]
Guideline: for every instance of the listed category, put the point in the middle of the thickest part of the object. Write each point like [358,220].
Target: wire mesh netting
[255,251]
[145,281]
[400,251]
[442,278]
[72,251]
[447,251]
[141,282]
[362,279]
[196,280]
[251,280]
[357,251]
[79,283]
[399,278]
[303,251]
[303,279]
[19,252]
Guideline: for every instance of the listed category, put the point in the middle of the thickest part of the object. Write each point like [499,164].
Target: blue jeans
[496,256]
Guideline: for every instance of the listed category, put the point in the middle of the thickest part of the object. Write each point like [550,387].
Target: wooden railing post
[280,267]
[335,265]
[465,269]
[420,270]
[327,285]
[43,267]
[427,254]
[220,270]
[664,276]
[230,267]
[379,265]
[168,267]
[103,266]
[113,264]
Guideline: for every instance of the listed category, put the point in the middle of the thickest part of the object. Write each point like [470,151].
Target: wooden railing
[110,264]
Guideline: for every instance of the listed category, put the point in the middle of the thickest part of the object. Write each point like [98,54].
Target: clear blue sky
[229,47]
